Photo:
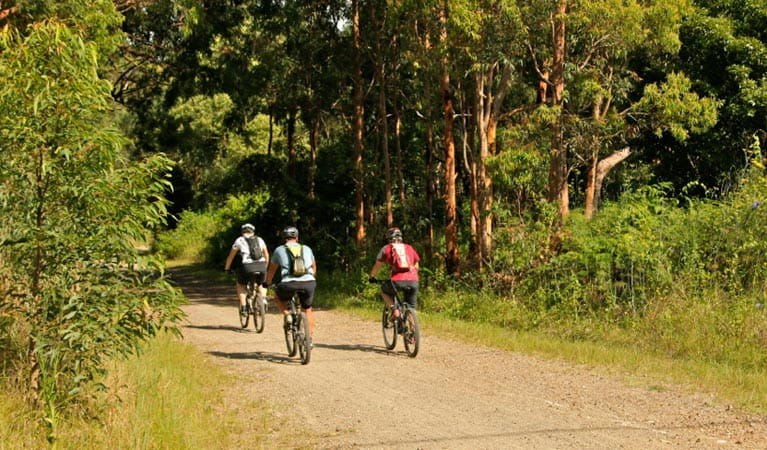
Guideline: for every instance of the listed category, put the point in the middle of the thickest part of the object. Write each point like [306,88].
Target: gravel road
[356,394]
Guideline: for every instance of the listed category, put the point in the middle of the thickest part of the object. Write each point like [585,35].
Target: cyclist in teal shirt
[287,281]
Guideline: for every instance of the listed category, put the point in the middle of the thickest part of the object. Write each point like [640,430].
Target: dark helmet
[393,234]
[290,233]
[247,227]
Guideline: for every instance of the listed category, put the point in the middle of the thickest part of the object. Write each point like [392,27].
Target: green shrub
[613,262]
[79,293]
[206,237]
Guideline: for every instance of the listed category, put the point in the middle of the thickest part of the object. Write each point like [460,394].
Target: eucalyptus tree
[73,209]
[487,38]
[600,102]
[452,253]
[724,51]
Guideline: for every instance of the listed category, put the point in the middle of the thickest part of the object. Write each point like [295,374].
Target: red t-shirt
[385,255]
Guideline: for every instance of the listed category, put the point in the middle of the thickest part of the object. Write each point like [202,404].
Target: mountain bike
[255,304]
[297,336]
[406,325]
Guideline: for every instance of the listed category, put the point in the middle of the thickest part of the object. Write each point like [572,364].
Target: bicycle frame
[406,325]
[254,304]
[297,336]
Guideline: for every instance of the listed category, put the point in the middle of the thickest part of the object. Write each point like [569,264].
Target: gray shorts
[409,288]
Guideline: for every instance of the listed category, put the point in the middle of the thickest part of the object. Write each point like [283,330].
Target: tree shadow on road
[360,348]
[258,356]
[220,327]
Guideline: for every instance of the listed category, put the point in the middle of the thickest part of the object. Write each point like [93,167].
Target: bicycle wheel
[250,292]
[290,339]
[244,318]
[259,313]
[411,335]
[389,327]
[304,341]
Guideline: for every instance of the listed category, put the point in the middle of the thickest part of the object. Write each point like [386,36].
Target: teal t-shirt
[281,258]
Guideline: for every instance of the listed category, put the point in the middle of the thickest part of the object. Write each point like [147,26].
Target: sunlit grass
[169,396]
[611,349]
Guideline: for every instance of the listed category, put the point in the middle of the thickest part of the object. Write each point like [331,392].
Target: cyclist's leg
[260,278]
[410,292]
[306,294]
[242,289]
[282,294]
[388,296]
[412,296]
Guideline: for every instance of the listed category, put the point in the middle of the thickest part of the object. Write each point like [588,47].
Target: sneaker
[288,321]
[243,310]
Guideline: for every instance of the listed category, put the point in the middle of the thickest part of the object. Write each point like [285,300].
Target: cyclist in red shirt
[403,260]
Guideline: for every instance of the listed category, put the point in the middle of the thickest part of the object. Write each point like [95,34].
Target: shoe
[288,321]
[243,310]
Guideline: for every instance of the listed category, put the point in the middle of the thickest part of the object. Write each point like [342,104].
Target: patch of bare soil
[356,394]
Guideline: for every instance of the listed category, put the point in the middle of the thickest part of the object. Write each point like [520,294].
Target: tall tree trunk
[430,188]
[358,128]
[558,189]
[468,150]
[601,169]
[452,257]
[314,136]
[271,133]
[291,137]
[489,97]
[483,182]
[398,151]
[591,174]
[384,133]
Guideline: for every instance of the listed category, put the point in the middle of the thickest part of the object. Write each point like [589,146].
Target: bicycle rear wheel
[389,327]
[249,294]
[411,335]
[259,313]
[304,341]
[290,339]
[244,317]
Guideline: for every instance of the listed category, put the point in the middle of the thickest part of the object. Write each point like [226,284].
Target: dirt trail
[452,395]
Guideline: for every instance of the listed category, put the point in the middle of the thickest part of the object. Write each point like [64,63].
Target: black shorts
[409,288]
[251,271]
[305,291]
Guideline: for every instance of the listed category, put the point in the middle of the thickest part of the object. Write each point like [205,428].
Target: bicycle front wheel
[259,313]
[389,327]
[304,340]
[411,335]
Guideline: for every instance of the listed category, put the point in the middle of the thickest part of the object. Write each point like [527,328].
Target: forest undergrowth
[681,282]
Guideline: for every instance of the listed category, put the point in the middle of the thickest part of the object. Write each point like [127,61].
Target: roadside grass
[169,396]
[742,387]
[676,352]
[672,354]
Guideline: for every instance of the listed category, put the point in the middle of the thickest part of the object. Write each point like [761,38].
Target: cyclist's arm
[266,255]
[376,268]
[230,258]
[270,272]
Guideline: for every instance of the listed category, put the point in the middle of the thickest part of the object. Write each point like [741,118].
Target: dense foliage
[578,161]
[76,292]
